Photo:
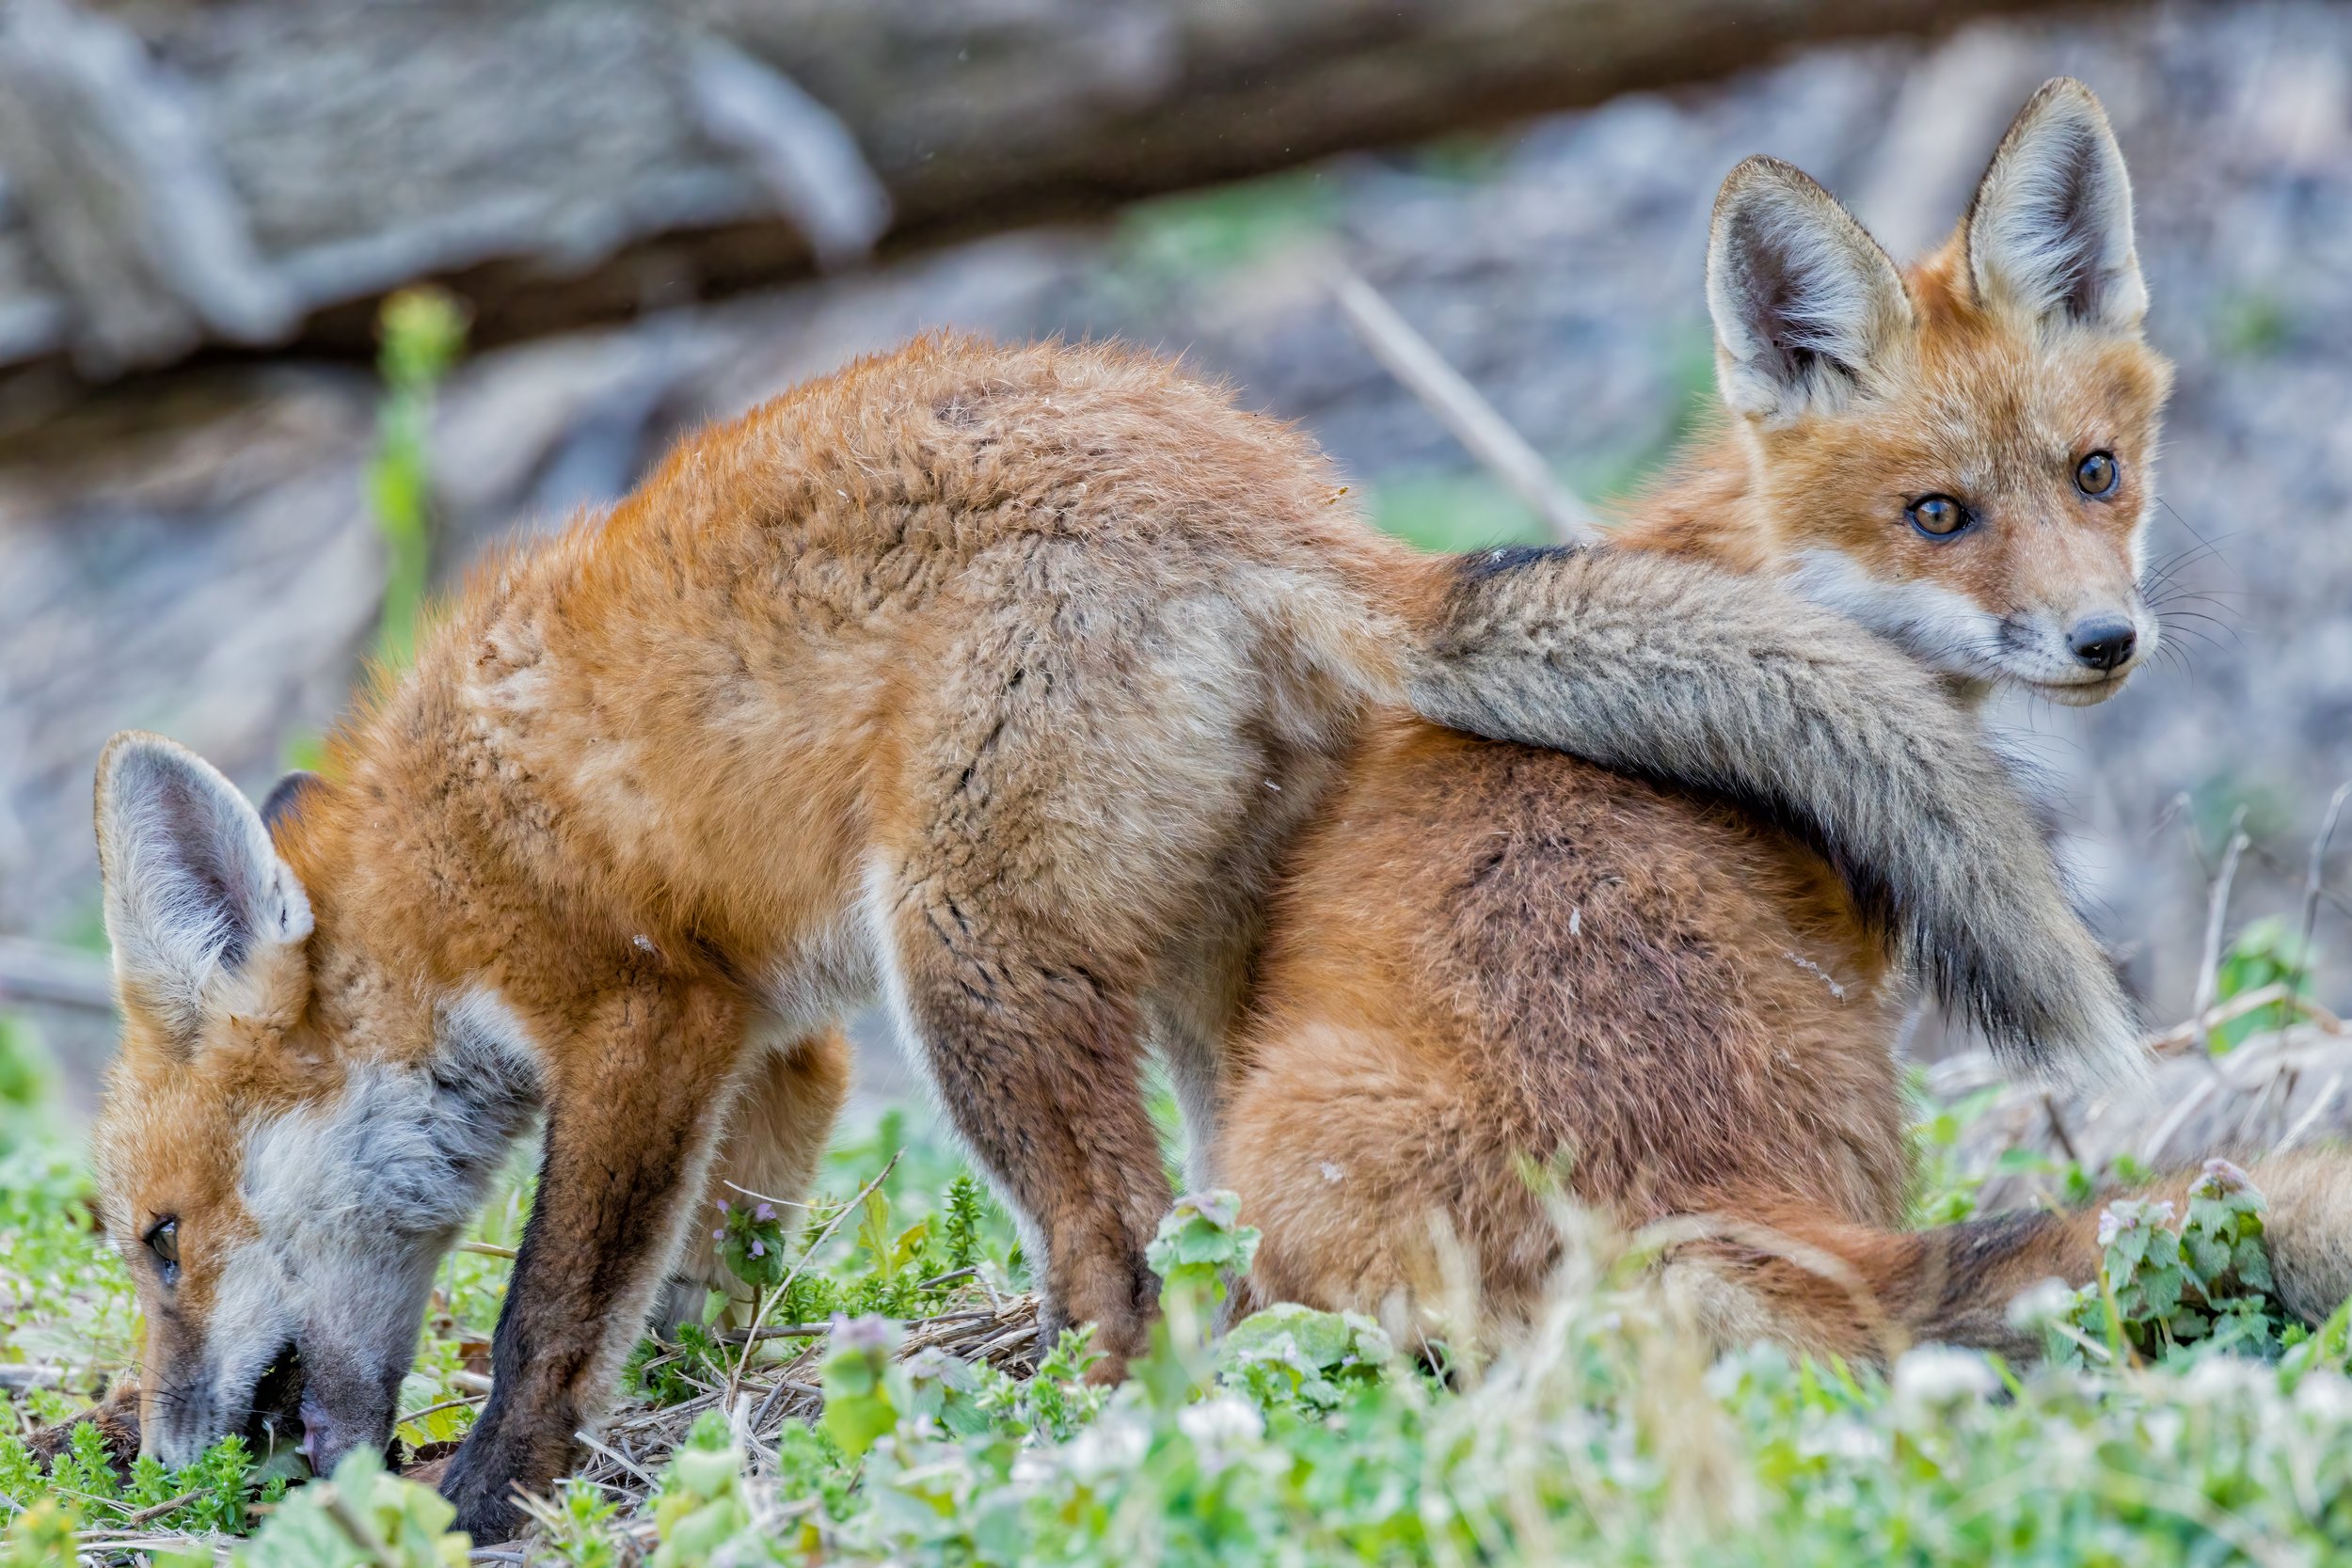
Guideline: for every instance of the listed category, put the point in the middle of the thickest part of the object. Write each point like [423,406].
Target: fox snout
[2103,643]
[184,1411]
[2079,657]
[322,1414]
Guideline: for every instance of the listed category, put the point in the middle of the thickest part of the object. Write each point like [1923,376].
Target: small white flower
[2326,1396]
[1856,1442]
[1222,1429]
[2037,1305]
[1112,1446]
[1935,1377]
[2215,1378]
[1226,1419]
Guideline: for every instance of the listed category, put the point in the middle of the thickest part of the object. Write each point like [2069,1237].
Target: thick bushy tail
[1826,1287]
[1689,675]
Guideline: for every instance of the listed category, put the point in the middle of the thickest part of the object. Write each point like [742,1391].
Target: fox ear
[1803,297]
[197,897]
[2050,229]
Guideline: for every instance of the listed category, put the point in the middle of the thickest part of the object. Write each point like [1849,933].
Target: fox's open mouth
[275,1420]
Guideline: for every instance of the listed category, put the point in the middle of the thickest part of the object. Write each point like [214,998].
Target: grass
[2177,1419]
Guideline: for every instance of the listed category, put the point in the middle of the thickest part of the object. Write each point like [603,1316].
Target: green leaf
[361,1518]
[860,1403]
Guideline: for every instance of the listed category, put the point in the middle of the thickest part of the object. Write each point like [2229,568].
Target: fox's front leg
[634,1105]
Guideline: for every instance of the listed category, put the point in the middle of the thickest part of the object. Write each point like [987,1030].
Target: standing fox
[988,682]
[1486,954]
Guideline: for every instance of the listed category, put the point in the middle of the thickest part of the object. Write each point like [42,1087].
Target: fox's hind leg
[1099,773]
[1035,1054]
[776,1131]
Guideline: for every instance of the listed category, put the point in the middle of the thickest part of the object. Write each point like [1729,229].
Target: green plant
[1609,1436]
[865,1389]
[423,331]
[361,1517]
[44,1536]
[1202,235]
[2264,953]
[2168,1282]
[579,1528]
[702,1504]
[2252,325]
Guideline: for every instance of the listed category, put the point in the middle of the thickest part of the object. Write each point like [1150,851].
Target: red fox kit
[988,682]
[1485,954]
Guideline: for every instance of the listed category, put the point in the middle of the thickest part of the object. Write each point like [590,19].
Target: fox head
[290,1141]
[1961,457]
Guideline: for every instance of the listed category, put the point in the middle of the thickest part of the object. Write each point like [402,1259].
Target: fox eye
[2097,475]
[163,1240]
[1937,516]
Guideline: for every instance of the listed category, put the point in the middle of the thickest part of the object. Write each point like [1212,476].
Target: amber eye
[1938,517]
[2098,475]
[163,1241]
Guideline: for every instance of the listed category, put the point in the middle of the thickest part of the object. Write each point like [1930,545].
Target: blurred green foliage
[422,332]
[2253,324]
[1202,233]
[2267,952]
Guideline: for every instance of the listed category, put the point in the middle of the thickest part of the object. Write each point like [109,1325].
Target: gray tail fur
[1686,674]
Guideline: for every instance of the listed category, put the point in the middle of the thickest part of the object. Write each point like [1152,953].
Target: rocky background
[191,551]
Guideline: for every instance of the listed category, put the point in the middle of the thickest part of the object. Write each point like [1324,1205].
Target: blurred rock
[254,173]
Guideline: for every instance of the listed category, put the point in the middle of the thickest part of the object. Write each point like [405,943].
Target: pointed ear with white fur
[197,897]
[2050,229]
[1803,297]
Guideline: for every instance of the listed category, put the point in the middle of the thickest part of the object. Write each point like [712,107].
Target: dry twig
[1415,362]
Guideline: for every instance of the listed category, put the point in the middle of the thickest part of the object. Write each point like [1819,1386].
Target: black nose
[2103,643]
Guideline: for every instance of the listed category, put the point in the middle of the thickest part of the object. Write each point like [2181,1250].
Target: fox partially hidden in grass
[991,682]
[1485,955]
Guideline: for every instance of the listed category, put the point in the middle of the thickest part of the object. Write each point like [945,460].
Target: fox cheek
[1942,628]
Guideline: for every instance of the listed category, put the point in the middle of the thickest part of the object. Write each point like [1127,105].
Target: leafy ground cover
[886,1412]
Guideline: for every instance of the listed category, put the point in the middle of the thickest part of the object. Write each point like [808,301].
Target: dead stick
[2311,883]
[2057,1126]
[2217,913]
[132,1521]
[1410,357]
